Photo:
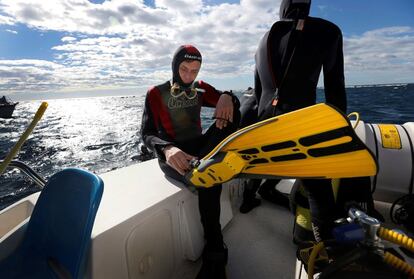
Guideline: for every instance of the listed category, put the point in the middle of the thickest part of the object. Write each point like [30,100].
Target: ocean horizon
[133,92]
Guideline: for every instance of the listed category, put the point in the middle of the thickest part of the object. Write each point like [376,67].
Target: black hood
[183,53]
[294,9]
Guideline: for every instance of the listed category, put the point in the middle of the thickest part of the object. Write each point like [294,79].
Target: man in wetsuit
[289,60]
[171,127]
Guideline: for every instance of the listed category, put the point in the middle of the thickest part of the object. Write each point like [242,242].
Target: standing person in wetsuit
[171,127]
[289,60]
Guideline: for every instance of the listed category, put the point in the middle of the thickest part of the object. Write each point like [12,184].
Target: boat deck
[260,243]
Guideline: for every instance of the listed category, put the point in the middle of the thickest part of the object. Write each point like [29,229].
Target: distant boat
[6,107]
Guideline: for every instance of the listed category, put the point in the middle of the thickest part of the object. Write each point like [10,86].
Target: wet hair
[184,53]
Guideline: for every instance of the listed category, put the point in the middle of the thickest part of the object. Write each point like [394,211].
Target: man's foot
[249,204]
[214,264]
[274,196]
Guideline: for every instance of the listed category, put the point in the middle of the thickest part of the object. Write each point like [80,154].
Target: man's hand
[178,159]
[224,111]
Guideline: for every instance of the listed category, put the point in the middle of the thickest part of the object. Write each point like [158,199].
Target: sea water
[102,134]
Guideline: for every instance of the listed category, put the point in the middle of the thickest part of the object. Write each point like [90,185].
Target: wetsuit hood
[294,9]
[184,53]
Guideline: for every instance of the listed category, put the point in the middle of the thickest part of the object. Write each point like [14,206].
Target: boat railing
[33,175]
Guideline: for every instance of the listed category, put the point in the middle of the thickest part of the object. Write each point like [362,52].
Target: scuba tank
[392,145]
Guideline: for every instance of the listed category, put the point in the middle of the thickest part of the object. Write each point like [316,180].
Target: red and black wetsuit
[176,120]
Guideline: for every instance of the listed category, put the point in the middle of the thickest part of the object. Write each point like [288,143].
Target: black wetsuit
[176,120]
[318,46]
[290,61]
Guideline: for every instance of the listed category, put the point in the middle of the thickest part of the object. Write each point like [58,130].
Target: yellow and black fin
[314,142]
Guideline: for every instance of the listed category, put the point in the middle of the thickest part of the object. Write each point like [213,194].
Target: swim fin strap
[314,142]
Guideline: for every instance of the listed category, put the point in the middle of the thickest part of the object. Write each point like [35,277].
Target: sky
[82,48]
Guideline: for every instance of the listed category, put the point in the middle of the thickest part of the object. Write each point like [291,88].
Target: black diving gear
[289,60]
[316,45]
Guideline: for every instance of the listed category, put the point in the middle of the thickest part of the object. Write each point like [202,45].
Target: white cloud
[23,62]
[381,52]
[11,31]
[29,75]
[110,17]
[6,20]
[184,7]
[68,39]
[124,43]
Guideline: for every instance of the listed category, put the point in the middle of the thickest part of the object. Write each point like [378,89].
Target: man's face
[188,70]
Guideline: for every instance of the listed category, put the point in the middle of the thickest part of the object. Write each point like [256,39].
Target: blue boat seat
[58,235]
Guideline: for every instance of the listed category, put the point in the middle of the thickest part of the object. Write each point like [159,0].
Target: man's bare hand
[178,159]
[224,111]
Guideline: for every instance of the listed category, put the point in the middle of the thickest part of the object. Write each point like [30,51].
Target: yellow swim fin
[314,142]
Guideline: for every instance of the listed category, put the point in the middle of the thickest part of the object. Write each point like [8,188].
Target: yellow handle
[356,114]
[24,137]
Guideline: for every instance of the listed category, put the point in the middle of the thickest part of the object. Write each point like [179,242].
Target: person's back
[296,58]
[289,60]
[318,47]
